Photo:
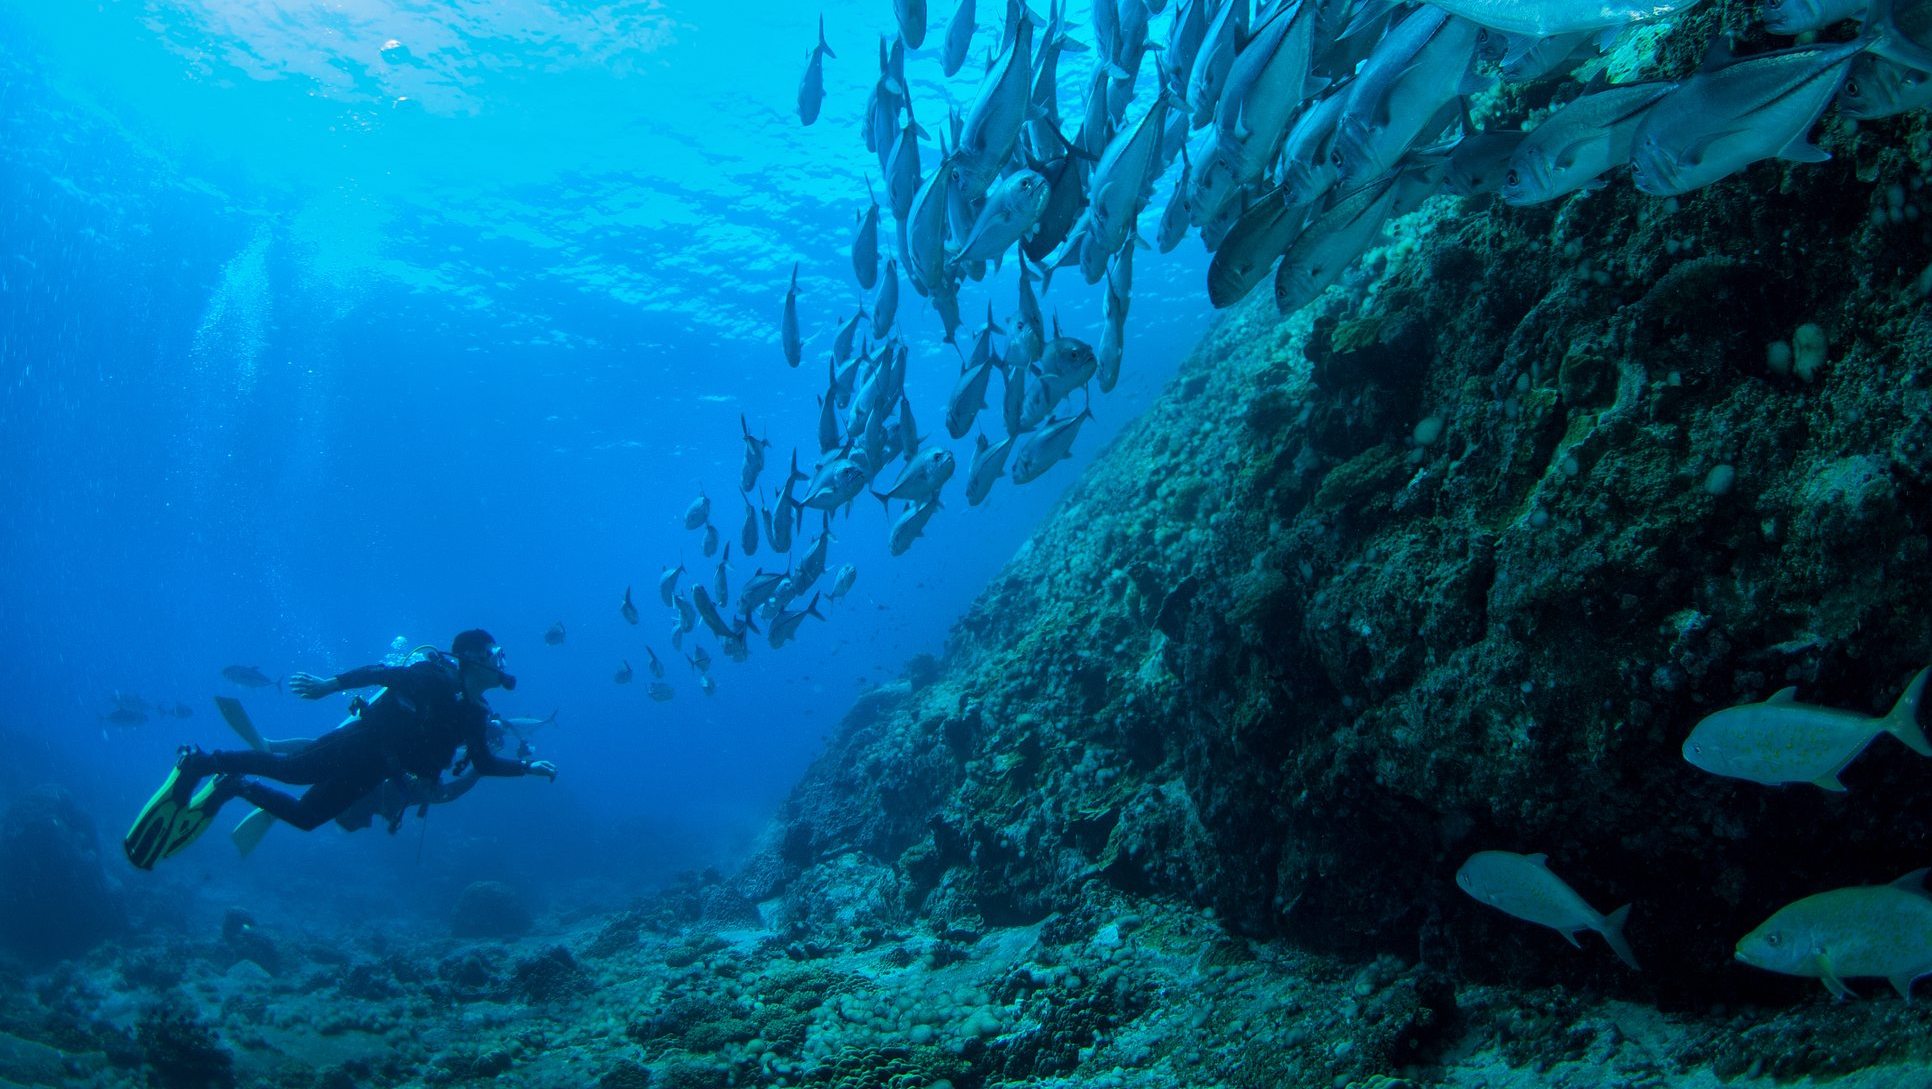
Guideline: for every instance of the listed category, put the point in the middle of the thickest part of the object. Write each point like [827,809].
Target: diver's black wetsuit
[413,729]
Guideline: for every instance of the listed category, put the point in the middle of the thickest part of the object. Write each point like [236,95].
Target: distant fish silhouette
[250,677]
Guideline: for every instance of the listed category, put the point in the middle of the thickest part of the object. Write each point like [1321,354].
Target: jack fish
[1523,886]
[1783,741]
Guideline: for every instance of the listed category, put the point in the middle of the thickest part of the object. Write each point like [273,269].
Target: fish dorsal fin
[1787,694]
[1597,82]
[1538,859]
[1914,882]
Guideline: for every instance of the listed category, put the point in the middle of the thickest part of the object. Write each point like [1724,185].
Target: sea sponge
[1808,350]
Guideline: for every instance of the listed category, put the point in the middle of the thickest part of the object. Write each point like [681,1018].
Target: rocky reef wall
[1451,561]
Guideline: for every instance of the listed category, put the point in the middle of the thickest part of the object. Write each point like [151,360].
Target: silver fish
[788,331]
[925,242]
[1479,161]
[848,331]
[1783,741]
[708,612]
[836,485]
[628,610]
[754,462]
[1543,18]
[1323,251]
[781,519]
[661,692]
[1066,364]
[1065,174]
[700,661]
[1878,88]
[959,39]
[1184,40]
[667,583]
[812,566]
[1252,247]
[1013,400]
[1048,448]
[912,21]
[1265,86]
[1799,16]
[989,464]
[1308,168]
[829,436]
[687,614]
[921,479]
[699,511]
[710,539]
[1012,207]
[842,581]
[994,120]
[1883,86]
[865,251]
[1122,183]
[969,392]
[1731,114]
[910,526]
[657,667]
[811,89]
[759,589]
[1174,223]
[720,585]
[1212,59]
[623,674]
[885,306]
[1523,886]
[1406,93]
[1581,142]
[902,169]
[733,643]
[784,626]
[1107,357]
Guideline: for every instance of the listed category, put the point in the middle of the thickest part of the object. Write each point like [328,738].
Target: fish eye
[1851,87]
[1513,178]
[1773,939]
[1335,157]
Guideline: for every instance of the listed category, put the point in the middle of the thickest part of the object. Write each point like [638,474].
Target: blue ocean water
[324,325]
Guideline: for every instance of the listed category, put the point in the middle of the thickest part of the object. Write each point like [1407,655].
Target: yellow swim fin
[168,824]
[238,721]
[247,835]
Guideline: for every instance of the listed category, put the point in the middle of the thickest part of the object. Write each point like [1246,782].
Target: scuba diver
[427,709]
[395,797]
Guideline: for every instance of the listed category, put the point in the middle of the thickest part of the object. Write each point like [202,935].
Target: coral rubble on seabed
[676,992]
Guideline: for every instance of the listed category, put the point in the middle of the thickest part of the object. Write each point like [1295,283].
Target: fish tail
[822,47]
[1903,720]
[1612,931]
[1883,37]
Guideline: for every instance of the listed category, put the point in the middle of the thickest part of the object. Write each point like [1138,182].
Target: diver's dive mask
[494,658]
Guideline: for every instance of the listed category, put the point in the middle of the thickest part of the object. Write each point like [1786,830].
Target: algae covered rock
[56,899]
[489,909]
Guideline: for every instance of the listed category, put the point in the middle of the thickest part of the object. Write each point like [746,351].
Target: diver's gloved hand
[540,767]
[311,687]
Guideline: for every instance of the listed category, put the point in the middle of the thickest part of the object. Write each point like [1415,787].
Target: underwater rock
[489,909]
[56,900]
[181,1052]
